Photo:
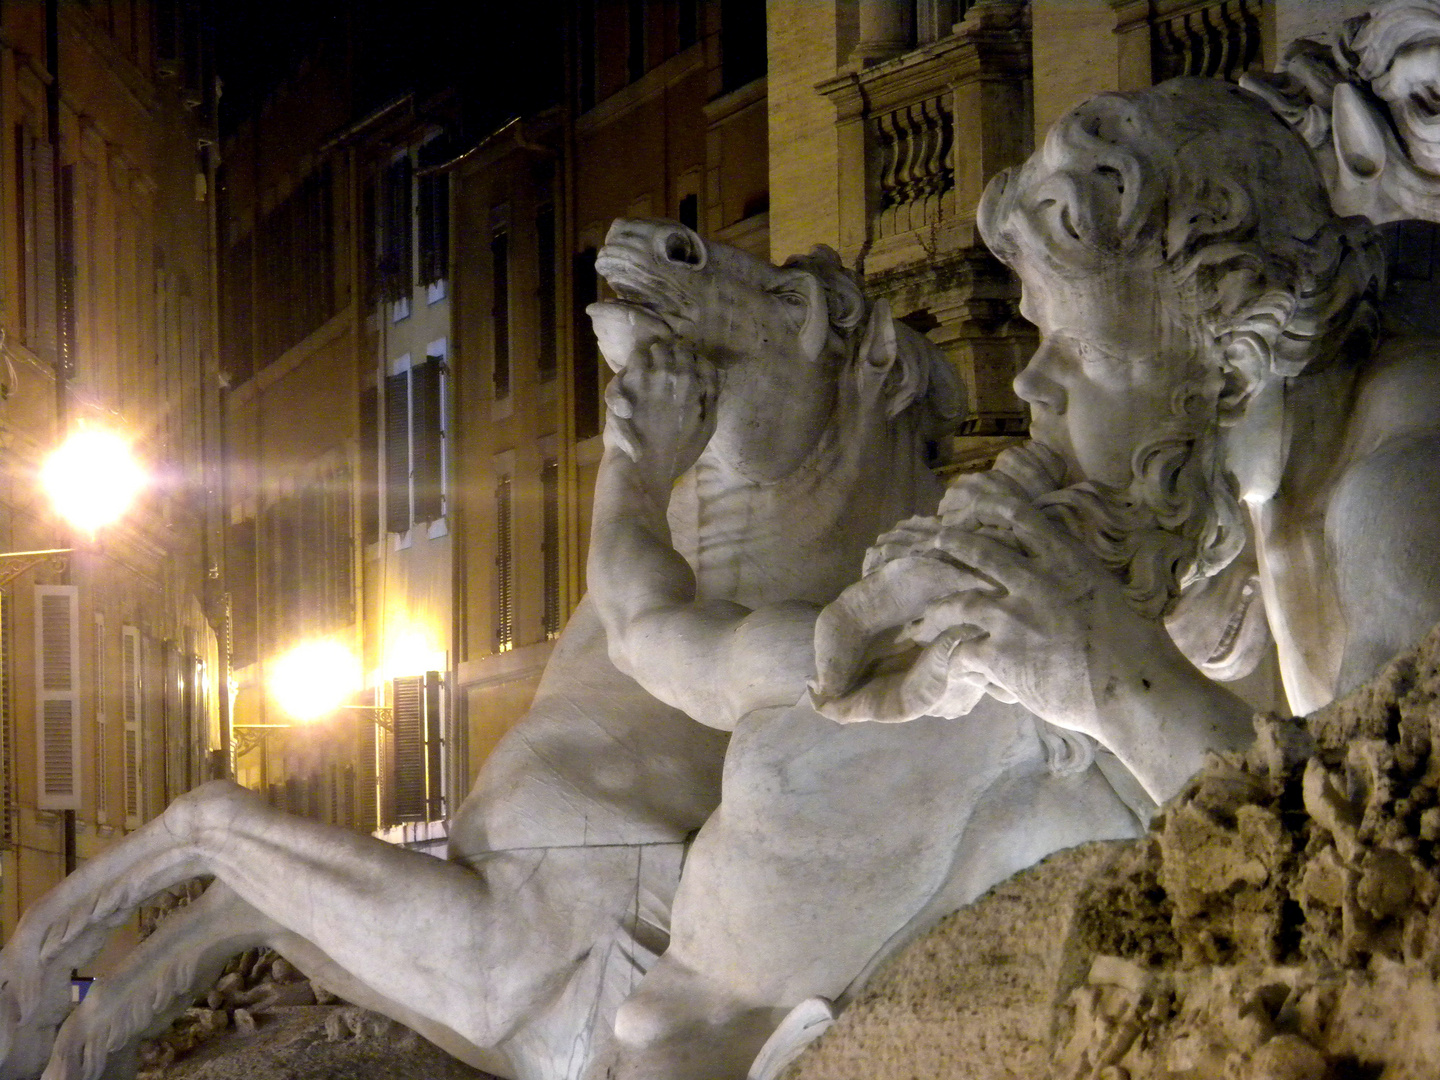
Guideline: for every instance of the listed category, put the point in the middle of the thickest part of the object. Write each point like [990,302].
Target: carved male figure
[1211,366]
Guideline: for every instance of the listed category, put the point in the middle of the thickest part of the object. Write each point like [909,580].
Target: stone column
[885,30]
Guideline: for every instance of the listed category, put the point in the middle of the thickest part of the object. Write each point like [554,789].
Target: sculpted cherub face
[1110,369]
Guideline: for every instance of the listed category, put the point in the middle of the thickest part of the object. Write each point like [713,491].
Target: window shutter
[46,268]
[547,357]
[397,453]
[504,571]
[367,798]
[408,724]
[550,546]
[434,761]
[131,708]
[102,728]
[429,430]
[500,311]
[57,682]
[369,487]
[8,798]
[65,271]
[585,290]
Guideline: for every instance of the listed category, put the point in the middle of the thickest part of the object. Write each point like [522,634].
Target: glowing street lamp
[92,478]
[313,679]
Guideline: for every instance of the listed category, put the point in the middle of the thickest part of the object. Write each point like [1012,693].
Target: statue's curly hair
[1200,183]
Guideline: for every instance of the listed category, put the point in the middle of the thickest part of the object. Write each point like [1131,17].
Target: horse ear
[906,366]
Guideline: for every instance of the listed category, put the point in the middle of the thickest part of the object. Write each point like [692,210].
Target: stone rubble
[1278,923]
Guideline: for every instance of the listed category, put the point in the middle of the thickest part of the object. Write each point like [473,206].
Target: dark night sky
[503,57]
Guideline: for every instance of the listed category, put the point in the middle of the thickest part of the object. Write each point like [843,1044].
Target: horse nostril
[683,246]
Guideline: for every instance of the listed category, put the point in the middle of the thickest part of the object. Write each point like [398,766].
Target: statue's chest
[759,544]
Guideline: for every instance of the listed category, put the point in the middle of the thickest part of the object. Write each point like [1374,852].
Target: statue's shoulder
[1397,396]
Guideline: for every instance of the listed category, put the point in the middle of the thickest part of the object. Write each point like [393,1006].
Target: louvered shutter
[429,430]
[369,486]
[504,571]
[102,726]
[46,265]
[397,453]
[368,796]
[550,546]
[408,724]
[434,760]
[131,709]
[57,682]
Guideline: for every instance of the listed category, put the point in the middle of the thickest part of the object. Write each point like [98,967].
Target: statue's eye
[793,299]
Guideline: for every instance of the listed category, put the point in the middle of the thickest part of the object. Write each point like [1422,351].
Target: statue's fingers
[1036,532]
[996,561]
[962,495]
[620,435]
[617,401]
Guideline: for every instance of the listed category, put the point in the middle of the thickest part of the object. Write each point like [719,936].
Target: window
[504,569]
[500,311]
[309,556]
[690,211]
[585,291]
[417,748]
[57,693]
[102,727]
[240,554]
[689,23]
[34,161]
[8,803]
[295,267]
[132,709]
[65,298]
[742,42]
[635,57]
[370,465]
[394,268]
[550,546]
[585,51]
[415,443]
[433,210]
[546,359]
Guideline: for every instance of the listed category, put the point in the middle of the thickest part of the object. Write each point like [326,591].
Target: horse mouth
[636,285]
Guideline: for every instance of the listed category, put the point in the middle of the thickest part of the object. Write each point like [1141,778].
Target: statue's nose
[676,244]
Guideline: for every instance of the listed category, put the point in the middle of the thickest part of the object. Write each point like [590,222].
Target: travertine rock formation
[1277,924]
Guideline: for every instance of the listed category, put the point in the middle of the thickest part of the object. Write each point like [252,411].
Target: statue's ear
[904,366]
[1359,136]
[816,330]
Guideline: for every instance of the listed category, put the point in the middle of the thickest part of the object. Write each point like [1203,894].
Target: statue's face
[1108,370]
[1412,88]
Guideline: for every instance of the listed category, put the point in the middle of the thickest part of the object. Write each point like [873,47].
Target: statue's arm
[713,659]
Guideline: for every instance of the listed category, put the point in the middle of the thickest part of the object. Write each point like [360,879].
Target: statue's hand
[661,409]
[1056,632]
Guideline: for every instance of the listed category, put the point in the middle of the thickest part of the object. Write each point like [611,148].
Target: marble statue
[1215,375]
[1368,104]
[564,859]
[1220,411]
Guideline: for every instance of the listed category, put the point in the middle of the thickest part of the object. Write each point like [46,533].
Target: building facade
[112,660]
